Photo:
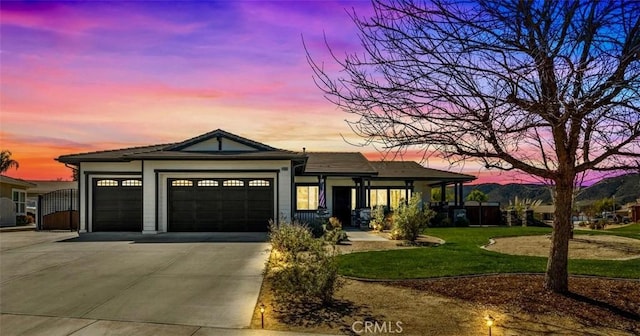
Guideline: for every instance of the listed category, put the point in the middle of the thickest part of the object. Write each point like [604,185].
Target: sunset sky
[88,76]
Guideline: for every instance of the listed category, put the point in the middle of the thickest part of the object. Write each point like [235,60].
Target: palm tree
[6,162]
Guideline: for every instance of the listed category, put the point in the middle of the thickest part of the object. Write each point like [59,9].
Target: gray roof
[338,163]
[172,151]
[317,163]
[16,182]
[413,170]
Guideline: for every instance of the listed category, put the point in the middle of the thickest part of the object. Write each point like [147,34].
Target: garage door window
[233,183]
[181,183]
[207,183]
[107,183]
[131,183]
[259,183]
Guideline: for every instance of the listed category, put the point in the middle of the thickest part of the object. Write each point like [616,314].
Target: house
[13,199]
[220,181]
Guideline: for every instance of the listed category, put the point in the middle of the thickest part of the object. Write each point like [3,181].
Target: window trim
[18,202]
[317,185]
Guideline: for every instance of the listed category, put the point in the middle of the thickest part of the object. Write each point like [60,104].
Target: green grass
[462,255]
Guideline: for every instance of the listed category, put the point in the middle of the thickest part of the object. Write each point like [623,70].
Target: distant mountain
[625,188]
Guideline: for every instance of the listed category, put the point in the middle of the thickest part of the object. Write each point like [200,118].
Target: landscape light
[489,320]
[262,315]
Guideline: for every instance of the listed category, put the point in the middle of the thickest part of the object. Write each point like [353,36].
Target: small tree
[6,162]
[478,196]
[604,205]
[409,219]
[521,206]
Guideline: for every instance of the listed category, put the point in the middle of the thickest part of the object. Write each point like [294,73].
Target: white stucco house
[220,181]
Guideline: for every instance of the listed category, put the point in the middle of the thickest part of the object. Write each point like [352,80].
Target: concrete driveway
[205,280]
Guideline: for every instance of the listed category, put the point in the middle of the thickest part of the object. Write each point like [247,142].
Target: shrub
[378,218]
[335,223]
[462,222]
[409,219]
[290,238]
[306,270]
[333,231]
[598,224]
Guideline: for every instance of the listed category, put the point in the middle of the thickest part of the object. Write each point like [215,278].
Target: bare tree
[548,88]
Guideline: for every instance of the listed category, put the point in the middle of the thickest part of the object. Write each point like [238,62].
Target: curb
[467,276]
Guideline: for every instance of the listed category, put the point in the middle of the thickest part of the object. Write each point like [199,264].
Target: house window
[181,183]
[131,183]
[398,196]
[107,183]
[307,197]
[378,197]
[233,183]
[207,183]
[20,199]
[259,183]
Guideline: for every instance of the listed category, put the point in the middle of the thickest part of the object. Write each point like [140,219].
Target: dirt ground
[459,306]
[580,247]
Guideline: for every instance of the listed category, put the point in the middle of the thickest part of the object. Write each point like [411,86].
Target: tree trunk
[557,275]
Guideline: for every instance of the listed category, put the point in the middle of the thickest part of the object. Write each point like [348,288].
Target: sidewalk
[14,325]
[30,227]
[355,234]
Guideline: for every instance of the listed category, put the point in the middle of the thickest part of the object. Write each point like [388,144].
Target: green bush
[304,269]
[378,218]
[290,238]
[409,219]
[333,233]
[462,222]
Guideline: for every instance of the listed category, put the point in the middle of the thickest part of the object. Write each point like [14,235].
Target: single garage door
[210,205]
[117,204]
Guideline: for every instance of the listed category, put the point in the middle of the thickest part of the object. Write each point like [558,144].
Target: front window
[378,197]
[307,197]
[20,199]
[398,196]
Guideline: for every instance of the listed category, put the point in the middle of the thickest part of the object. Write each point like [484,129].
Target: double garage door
[207,205]
[193,204]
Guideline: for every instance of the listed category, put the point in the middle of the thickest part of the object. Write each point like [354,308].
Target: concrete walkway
[359,235]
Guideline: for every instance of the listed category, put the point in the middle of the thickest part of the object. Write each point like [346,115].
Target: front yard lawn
[462,255]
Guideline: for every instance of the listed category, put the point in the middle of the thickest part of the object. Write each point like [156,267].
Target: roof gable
[219,141]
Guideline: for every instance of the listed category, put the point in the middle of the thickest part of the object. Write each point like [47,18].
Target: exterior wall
[92,170]
[6,189]
[279,170]
[212,145]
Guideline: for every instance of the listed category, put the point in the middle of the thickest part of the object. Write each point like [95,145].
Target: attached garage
[229,205]
[117,204]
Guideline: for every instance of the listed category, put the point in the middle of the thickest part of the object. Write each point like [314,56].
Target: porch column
[455,194]
[367,194]
[443,191]
[461,194]
[358,183]
[408,187]
[322,192]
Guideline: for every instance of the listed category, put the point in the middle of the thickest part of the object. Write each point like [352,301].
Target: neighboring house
[13,199]
[219,181]
[545,213]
